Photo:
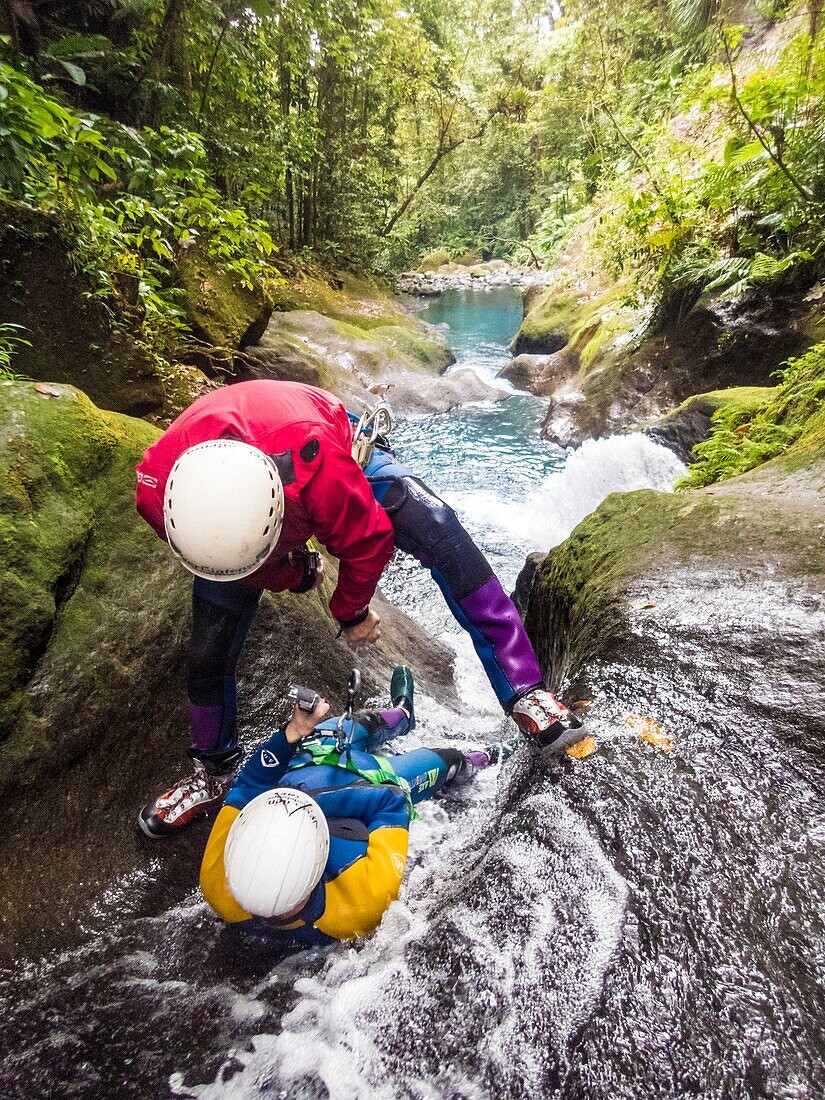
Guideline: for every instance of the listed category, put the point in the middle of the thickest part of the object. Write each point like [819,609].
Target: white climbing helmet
[276,852]
[223,509]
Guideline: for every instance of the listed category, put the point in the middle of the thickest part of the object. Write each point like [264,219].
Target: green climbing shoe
[402,688]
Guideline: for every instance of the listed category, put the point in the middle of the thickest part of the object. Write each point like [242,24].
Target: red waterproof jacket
[308,432]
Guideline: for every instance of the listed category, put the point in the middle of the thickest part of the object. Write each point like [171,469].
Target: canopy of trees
[366,132]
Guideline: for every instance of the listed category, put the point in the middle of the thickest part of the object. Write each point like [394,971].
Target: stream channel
[639,924]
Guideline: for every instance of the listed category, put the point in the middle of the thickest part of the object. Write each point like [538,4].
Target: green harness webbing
[383,775]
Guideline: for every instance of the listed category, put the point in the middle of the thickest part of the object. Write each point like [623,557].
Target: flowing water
[639,924]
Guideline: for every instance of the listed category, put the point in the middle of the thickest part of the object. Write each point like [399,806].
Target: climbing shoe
[193,796]
[402,689]
[547,722]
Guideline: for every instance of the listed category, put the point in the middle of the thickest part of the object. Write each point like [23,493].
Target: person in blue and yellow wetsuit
[325,856]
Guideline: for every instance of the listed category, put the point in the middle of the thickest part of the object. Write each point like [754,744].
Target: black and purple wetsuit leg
[222,613]
[431,531]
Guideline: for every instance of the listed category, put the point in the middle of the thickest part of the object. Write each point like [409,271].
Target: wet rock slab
[698,620]
[92,658]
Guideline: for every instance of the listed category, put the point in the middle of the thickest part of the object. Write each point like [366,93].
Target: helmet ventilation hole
[266,530]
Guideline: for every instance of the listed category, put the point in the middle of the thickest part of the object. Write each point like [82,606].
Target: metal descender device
[374,423]
[343,737]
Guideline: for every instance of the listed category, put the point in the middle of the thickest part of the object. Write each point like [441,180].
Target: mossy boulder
[769,525]
[434,260]
[629,376]
[690,422]
[74,336]
[220,310]
[95,612]
[355,299]
[343,356]
[549,324]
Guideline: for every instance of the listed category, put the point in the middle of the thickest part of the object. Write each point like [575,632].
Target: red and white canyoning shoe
[543,719]
[193,796]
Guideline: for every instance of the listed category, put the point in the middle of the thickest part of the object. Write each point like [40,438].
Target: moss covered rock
[95,613]
[769,524]
[356,300]
[627,379]
[373,347]
[221,311]
[551,320]
[690,422]
[75,337]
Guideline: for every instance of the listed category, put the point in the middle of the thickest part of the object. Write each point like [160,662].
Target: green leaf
[738,153]
[75,72]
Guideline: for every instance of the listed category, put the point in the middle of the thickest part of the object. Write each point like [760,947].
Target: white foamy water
[367,1025]
[543,969]
[475,947]
[547,514]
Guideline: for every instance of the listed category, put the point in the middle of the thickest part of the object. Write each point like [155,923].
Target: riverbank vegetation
[666,155]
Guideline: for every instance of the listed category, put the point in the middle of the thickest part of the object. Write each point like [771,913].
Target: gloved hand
[302,723]
[543,719]
[365,632]
[313,565]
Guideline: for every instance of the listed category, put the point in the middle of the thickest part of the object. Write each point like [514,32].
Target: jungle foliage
[324,118]
[370,132]
[365,134]
[743,437]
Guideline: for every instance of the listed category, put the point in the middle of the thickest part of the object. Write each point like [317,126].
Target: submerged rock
[95,612]
[693,626]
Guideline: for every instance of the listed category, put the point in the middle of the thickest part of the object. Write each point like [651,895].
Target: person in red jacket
[237,485]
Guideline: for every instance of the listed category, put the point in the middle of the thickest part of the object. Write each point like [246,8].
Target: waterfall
[547,513]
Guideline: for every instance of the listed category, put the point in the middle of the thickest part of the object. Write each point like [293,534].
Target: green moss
[469,258]
[577,604]
[218,308]
[356,300]
[746,432]
[55,452]
[434,260]
[414,350]
[557,319]
[340,356]
[723,399]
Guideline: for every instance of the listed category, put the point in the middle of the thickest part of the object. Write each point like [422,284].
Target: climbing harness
[341,755]
[373,425]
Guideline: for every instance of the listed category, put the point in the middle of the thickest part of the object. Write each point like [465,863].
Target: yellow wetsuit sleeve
[357,899]
[213,873]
